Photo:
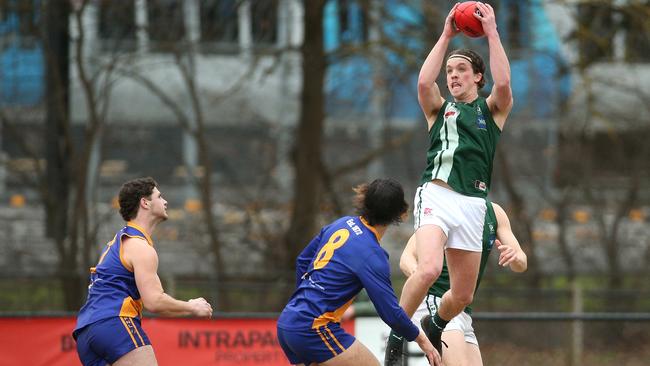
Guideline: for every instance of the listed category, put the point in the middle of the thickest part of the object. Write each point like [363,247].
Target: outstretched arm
[500,99]
[428,91]
[408,262]
[374,275]
[144,262]
[511,253]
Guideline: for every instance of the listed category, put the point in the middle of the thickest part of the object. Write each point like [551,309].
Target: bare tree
[70,165]
[308,140]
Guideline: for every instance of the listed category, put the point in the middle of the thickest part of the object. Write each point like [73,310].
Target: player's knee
[429,274]
[464,298]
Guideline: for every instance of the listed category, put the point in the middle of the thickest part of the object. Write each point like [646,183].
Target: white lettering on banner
[372,332]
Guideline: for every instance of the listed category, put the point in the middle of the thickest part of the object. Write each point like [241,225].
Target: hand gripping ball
[465,20]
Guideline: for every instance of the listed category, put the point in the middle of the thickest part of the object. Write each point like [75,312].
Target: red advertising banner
[218,342]
[244,342]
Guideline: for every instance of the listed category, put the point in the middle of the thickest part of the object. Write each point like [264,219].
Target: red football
[466,21]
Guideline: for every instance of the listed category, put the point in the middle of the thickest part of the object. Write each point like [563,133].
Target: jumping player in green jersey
[450,206]
[459,333]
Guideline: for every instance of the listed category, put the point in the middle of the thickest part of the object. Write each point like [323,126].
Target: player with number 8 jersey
[344,258]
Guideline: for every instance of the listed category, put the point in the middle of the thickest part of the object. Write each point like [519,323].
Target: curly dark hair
[131,193]
[381,202]
[478,65]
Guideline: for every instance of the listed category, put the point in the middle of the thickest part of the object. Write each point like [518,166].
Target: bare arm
[500,99]
[511,253]
[144,261]
[408,262]
[428,91]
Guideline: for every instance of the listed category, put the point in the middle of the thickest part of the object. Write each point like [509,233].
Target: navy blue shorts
[106,340]
[307,346]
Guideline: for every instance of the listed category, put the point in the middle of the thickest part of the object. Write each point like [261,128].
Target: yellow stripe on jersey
[122,260]
[131,308]
[332,316]
[326,342]
[146,236]
[372,228]
[101,258]
[129,331]
[130,321]
[334,338]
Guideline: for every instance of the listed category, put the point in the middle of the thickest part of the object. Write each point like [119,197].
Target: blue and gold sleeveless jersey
[338,263]
[112,291]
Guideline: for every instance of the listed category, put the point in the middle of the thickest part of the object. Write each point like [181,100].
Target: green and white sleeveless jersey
[462,141]
[489,235]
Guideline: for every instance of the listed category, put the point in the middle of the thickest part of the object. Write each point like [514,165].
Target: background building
[212,98]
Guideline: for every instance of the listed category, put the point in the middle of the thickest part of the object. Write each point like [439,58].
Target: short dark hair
[381,202]
[478,65]
[131,193]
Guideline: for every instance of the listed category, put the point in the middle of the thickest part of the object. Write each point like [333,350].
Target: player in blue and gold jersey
[338,263]
[125,280]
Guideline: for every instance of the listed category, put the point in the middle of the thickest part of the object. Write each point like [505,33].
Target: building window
[353,24]
[21,18]
[637,35]
[165,24]
[219,24]
[264,19]
[595,32]
[514,25]
[117,24]
[21,74]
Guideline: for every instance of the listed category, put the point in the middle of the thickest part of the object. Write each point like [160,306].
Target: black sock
[395,341]
[439,322]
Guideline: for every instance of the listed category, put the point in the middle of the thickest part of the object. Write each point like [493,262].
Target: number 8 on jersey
[335,241]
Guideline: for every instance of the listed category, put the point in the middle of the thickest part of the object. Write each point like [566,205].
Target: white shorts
[460,217]
[461,322]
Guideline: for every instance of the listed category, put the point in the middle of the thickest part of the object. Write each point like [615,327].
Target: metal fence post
[577,330]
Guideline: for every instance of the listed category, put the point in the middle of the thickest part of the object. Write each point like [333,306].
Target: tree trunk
[309,134]
[58,149]
[71,283]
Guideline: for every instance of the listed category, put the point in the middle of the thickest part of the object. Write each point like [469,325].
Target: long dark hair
[381,202]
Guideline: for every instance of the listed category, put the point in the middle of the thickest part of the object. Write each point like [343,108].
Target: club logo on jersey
[428,211]
[492,235]
[480,120]
[481,186]
[451,112]
[491,240]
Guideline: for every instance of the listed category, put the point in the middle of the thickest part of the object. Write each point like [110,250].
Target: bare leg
[430,242]
[463,271]
[460,353]
[474,355]
[141,356]
[356,354]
